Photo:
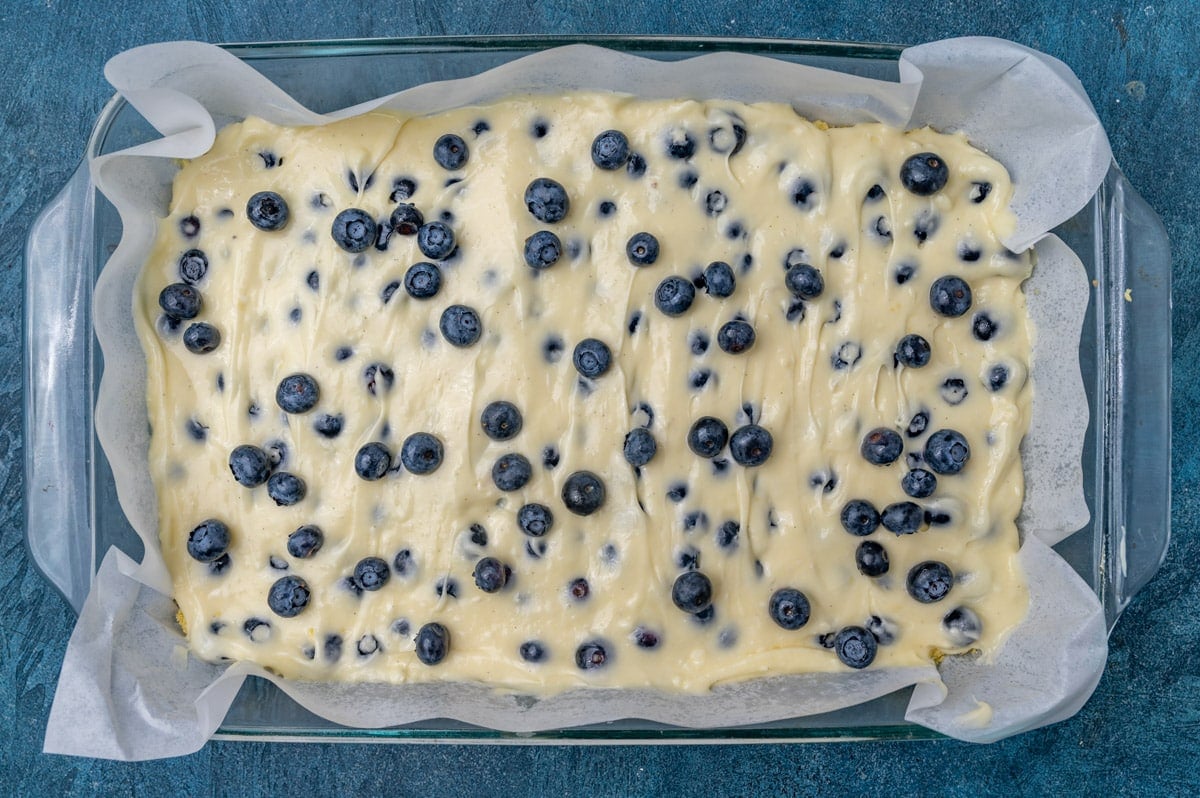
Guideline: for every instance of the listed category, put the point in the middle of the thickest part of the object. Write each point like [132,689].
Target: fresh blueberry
[707,436]
[406,220]
[305,541]
[491,575]
[997,376]
[511,472]
[802,191]
[208,541]
[533,651]
[460,325]
[422,280]
[962,626]
[882,446]
[404,563]
[924,173]
[354,230]
[642,249]
[433,643]
[727,534]
[913,351]
[751,445]
[919,483]
[535,520]
[193,265]
[372,461]
[871,558]
[929,581]
[378,379]
[250,466]
[583,493]
[983,327]
[789,608]
[591,655]
[328,426]
[855,646]
[859,517]
[718,279]
[674,296]
[501,421]
[450,152]
[201,338]
[180,301]
[286,489]
[903,518]
[918,425]
[953,390]
[421,453]
[591,357]
[542,250]
[692,592]
[947,451]
[297,393]
[640,447]
[371,573]
[547,200]
[804,281]
[436,240]
[288,597]
[266,210]
[610,150]
[735,337]
[950,296]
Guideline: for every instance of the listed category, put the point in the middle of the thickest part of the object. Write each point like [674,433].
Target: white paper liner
[126,692]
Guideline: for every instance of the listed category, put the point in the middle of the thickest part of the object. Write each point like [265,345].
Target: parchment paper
[129,690]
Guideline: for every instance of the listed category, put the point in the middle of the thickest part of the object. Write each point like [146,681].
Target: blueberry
[727,534]
[297,393]
[607,208]
[406,220]
[180,301]
[371,573]
[583,493]
[904,272]
[552,348]
[969,253]
[333,648]
[198,431]
[929,581]
[313,279]
[591,655]
[460,325]
[997,376]
[372,461]
[479,536]
[642,249]
[804,281]
[715,203]
[875,192]
[266,210]
[881,446]
[645,638]
[591,357]
[404,563]
[680,144]
[550,457]
[208,541]
[378,378]
[501,421]
[450,152]
[354,230]
[859,517]
[446,587]
[286,489]
[845,356]
[421,453]
[328,426]
[795,310]
[610,150]
[535,520]
[789,608]
[947,451]
[871,558]
[542,250]
[735,337]
[677,492]
[697,519]
[924,173]
[305,541]
[579,589]
[511,472]
[913,351]
[258,630]
[250,465]
[953,391]
[692,592]
[547,200]
[950,296]
[674,296]
[636,166]
[533,651]
[962,626]
[193,265]
[718,279]
[367,645]
[698,342]
[751,445]
[201,338]
[918,425]
[539,128]
[707,436]
[903,518]
[983,327]
[801,192]
[925,226]
[491,575]
[919,483]
[288,597]
[403,189]
[979,191]
[640,447]
[422,280]
[855,646]
[433,643]
[436,240]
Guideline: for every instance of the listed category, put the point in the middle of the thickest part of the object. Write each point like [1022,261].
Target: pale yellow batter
[276,319]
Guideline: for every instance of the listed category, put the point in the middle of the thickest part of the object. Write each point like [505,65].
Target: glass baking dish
[72,513]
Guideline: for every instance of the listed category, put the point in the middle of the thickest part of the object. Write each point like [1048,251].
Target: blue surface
[1140,64]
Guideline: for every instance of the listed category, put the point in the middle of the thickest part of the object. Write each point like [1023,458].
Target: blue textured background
[1140,64]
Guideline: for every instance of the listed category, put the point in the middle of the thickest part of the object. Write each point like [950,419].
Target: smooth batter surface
[273,322]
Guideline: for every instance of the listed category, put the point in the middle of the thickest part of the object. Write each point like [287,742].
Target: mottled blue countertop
[1139,63]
